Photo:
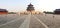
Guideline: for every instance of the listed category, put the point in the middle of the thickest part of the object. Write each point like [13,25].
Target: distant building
[3,11]
[57,11]
[30,8]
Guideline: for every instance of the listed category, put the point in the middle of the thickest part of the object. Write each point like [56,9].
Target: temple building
[57,11]
[3,11]
[30,8]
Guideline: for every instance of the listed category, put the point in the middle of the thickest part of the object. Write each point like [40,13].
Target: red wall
[3,12]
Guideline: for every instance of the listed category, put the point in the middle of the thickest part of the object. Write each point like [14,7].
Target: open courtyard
[30,21]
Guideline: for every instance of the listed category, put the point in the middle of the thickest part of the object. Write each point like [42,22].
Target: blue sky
[20,5]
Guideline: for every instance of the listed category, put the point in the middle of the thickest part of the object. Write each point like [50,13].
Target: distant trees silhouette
[48,12]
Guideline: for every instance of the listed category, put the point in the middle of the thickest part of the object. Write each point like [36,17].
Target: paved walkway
[27,21]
